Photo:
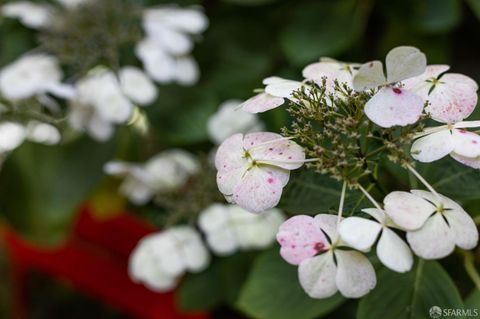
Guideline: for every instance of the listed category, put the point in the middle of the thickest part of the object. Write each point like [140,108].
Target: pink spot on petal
[319,246]
[270,180]
[397,91]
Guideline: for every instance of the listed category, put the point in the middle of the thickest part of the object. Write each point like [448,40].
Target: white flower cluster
[160,259]
[104,98]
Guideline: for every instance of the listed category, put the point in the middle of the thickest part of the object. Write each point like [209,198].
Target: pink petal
[300,238]
[259,190]
[273,149]
[453,99]
[394,106]
[261,102]
[230,154]
[473,162]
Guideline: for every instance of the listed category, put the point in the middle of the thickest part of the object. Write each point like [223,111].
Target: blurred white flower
[165,51]
[13,134]
[137,86]
[29,76]
[161,258]
[30,14]
[231,119]
[229,228]
[72,4]
[99,103]
[163,173]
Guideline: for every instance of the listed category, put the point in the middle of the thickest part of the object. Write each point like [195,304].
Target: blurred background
[42,187]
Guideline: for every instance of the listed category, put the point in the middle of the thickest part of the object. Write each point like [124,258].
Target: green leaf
[272,291]
[473,300]
[435,16]
[221,282]
[42,186]
[452,179]
[309,192]
[410,295]
[323,28]
[475,6]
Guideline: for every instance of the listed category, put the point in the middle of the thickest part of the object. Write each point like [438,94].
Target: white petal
[341,72]
[369,76]
[261,103]
[11,136]
[99,129]
[404,62]
[376,213]
[159,65]
[434,240]
[355,274]
[433,147]
[359,233]
[283,89]
[466,143]
[393,252]
[186,71]
[170,40]
[43,133]
[394,106]
[194,252]
[31,14]
[421,84]
[328,223]
[137,86]
[407,210]
[464,228]
[317,276]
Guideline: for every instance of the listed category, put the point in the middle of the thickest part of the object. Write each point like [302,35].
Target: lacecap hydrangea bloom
[348,118]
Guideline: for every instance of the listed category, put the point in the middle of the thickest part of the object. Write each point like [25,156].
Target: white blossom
[229,228]
[160,259]
[30,14]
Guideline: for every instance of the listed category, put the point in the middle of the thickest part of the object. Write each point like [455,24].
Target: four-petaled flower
[361,234]
[325,267]
[392,105]
[253,169]
[434,224]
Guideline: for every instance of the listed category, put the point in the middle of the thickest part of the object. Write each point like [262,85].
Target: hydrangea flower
[31,75]
[392,105]
[103,100]
[452,97]
[276,91]
[165,51]
[434,224]
[165,172]
[229,228]
[230,119]
[361,234]
[253,169]
[160,259]
[325,267]
[13,134]
[331,70]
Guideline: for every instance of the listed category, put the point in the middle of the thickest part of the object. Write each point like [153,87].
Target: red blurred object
[95,261]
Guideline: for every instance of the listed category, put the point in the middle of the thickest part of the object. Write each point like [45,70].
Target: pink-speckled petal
[227,180]
[273,149]
[394,106]
[261,103]
[259,190]
[452,99]
[466,143]
[473,162]
[300,237]
[433,146]
[230,154]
